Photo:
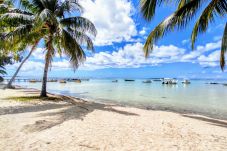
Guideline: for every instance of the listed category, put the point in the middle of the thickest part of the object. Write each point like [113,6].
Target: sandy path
[57,126]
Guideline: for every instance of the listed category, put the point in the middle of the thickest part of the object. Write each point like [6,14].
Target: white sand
[58,126]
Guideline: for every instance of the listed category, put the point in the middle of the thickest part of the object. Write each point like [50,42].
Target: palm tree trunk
[44,82]
[47,62]
[9,85]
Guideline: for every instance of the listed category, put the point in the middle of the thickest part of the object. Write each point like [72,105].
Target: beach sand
[37,125]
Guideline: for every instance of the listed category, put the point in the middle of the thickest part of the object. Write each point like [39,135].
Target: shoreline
[140,106]
[59,125]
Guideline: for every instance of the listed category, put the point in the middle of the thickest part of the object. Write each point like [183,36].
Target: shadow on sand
[65,112]
[211,121]
[72,112]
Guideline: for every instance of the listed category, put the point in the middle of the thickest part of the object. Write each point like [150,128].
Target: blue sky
[121,35]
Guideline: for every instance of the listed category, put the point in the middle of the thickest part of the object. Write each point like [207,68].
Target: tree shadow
[78,111]
[208,120]
[30,108]
[72,108]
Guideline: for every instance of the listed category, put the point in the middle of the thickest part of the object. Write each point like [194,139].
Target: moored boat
[186,82]
[33,81]
[52,80]
[77,81]
[62,81]
[115,81]
[128,80]
[147,81]
[169,81]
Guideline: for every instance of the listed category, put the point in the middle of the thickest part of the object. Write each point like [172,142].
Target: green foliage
[4,60]
[45,19]
[186,11]
[36,20]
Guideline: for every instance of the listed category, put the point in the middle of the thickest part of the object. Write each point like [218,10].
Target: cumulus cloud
[143,31]
[211,60]
[200,50]
[185,41]
[39,54]
[113,20]
[132,56]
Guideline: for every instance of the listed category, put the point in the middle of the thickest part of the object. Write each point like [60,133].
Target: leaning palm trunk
[47,62]
[9,85]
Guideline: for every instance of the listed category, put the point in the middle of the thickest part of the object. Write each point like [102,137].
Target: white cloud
[200,50]
[211,60]
[34,68]
[132,56]
[214,56]
[63,64]
[186,41]
[143,31]
[39,53]
[167,51]
[113,20]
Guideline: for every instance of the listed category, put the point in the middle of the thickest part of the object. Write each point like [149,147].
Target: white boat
[169,81]
[186,82]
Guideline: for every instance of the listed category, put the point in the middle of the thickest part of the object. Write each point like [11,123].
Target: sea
[199,97]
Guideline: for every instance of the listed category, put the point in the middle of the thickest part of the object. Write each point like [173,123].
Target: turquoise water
[197,97]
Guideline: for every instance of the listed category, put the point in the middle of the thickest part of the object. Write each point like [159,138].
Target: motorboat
[147,81]
[169,81]
[186,82]
[128,80]
[62,81]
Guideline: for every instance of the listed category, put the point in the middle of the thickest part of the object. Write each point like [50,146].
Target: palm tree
[60,34]
[4,60]
[185,12]
[18,45]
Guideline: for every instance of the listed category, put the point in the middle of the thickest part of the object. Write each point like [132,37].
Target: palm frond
[72,49]
[178,20]
[80,24]
[148,7]
[50,4]
[16,17]
[181,3]
[3,8]
[215,7]
[68,6]
[20,31]
[28,6]
[47,15]
[38,5]
[223,48]
[82,38]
